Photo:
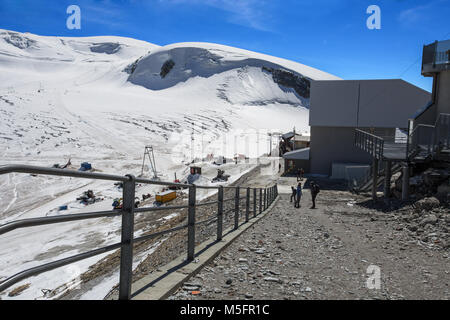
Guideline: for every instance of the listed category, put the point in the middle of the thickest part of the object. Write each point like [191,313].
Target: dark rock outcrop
[288,79]
[108,48]
[166,67]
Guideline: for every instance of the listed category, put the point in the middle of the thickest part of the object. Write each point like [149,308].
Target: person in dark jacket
[315,189]
[294,194]
[299,196]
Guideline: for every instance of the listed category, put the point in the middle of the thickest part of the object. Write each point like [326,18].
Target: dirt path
[324,254]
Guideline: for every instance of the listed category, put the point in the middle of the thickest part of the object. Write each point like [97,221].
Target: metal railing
[369,143]
[443,130]
[436,57]
[430,139]
[266,198]
[364,183]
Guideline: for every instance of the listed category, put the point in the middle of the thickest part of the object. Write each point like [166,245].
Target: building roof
[288,135]
[300,154]
[298,137]
[365,103]
[302,138]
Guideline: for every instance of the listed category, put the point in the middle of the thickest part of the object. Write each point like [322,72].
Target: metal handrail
[127,213]
[370,143]
[5,284]
[434,139]
[152,209]
[25,223]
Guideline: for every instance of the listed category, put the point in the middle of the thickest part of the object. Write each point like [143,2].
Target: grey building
[427,141]
[337,107]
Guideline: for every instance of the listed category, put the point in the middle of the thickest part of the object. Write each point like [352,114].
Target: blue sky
[330,35]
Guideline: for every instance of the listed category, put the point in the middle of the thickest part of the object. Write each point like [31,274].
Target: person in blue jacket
[299,195]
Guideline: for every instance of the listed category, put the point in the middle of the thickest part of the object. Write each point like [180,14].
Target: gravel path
[324,254]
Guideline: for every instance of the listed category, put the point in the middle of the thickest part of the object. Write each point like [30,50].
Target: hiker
[299,195]
[315,189]
[294,194]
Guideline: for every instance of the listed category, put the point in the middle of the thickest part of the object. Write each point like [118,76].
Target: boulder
[430,219]
[427,204]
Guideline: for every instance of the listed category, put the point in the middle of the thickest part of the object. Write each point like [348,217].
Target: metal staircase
[424,144]
[430,142]
[365,184]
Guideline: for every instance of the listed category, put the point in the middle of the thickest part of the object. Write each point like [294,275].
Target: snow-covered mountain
[100,87]
[102,99]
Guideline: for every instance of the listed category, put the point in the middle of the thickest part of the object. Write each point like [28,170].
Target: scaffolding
[148,153]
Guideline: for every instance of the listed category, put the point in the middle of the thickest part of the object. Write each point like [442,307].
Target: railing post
[220,214]
[260,201]
[374,179]
[126,249]
[405,182]
[387,179]
[265,199]
[270,197]
[247,205]
[408,138]
[236,208]
[254,202]
[191,224]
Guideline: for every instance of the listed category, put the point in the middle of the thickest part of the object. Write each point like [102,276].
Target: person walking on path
[315,189]
[299,196]
[294,194]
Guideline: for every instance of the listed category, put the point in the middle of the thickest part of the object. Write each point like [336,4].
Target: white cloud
[418,14]
[249,13]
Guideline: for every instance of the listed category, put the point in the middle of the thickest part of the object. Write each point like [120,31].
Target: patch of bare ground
[331,252]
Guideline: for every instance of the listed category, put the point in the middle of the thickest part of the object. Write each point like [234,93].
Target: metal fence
[265,197]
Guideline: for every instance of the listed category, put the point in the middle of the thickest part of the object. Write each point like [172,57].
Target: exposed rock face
[17,40]
[166,67]
[108,48]
[288,79]
[130,68]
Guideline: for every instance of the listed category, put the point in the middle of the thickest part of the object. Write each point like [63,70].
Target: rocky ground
[334,252]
